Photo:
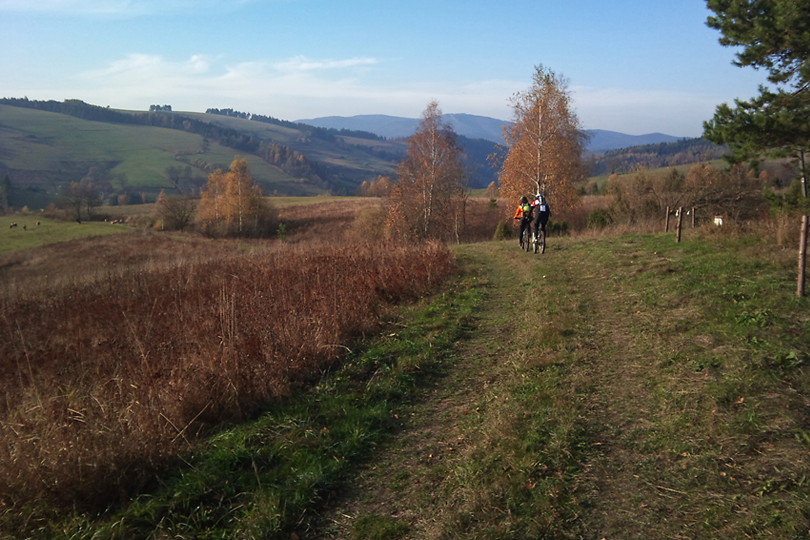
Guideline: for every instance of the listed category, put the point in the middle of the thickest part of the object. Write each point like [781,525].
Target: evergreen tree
[774,35]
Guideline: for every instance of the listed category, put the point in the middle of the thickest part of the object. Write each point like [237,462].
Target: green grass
[44,150]
[65,147]
[47,232]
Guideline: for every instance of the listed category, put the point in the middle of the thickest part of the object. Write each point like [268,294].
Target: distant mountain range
[476,127]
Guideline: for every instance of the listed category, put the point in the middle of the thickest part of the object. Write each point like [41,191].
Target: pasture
[32,231]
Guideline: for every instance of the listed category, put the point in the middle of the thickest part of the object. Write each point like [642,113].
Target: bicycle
[539,241]
[526,240]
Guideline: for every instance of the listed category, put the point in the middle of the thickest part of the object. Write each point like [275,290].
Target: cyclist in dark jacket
[540,213]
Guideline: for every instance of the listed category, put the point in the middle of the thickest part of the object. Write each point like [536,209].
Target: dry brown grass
[142,343]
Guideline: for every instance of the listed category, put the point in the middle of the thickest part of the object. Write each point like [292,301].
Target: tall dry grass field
[364,219]
[108,378]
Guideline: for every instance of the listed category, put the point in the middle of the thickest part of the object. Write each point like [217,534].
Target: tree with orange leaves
[544,144]
[231,204]
[427,200]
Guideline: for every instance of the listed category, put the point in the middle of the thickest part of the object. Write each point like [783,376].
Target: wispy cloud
[302,87]
[302,63]
[293,88]
[287,87]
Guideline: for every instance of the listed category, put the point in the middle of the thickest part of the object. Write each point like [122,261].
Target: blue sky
[637,66]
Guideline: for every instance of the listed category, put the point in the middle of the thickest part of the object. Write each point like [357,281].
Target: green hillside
[41,151]
[130,156]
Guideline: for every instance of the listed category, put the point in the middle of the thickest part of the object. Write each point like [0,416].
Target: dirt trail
[405,480]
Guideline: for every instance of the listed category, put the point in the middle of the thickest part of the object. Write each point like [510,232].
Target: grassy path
[621,388]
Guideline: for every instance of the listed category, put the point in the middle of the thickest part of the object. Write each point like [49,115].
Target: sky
[633,66]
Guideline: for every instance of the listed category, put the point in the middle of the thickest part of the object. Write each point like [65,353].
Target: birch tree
[544,144]
[428,198]
[231,204]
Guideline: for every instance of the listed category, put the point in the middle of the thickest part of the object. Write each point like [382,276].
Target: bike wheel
[536,243]
[541,242]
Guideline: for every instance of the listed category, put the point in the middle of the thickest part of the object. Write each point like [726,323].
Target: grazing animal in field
[25,227]
[38,223]
[12,226]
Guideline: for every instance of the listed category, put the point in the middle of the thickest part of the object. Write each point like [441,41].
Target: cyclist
[523,213]
[540,213]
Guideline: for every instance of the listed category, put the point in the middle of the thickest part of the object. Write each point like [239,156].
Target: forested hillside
[130,156]
[653,156]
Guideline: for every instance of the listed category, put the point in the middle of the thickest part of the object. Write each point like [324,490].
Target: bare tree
[79,199]
[174,212]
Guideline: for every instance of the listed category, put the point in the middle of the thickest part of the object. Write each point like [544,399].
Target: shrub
[502,231]
[599,219]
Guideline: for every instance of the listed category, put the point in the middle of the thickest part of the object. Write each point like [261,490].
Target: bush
[558,228]
[599,219]
[502,231]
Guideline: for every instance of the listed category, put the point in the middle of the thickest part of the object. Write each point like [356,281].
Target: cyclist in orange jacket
[524,214]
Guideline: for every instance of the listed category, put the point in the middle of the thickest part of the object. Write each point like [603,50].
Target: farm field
[585,392]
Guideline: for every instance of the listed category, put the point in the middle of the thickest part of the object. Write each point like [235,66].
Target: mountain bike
[539,241]
[526,240]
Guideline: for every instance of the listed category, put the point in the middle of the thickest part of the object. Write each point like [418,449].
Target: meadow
[168,385]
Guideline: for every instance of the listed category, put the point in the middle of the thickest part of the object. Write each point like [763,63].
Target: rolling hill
[467,125]
[132,155]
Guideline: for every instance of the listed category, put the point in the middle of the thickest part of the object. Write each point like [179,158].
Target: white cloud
[301,87]
[75,7]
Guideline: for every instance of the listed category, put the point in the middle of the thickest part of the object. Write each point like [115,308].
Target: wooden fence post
[802,257]
[694,219]
[680,223]
[666,221]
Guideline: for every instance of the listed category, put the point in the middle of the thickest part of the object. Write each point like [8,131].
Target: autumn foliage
[231,204]
[545,144]
[428,199]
